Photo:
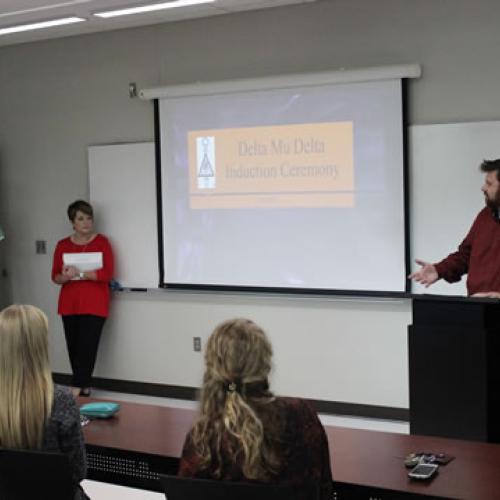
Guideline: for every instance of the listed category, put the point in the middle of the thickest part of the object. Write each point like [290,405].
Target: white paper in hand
[85,261]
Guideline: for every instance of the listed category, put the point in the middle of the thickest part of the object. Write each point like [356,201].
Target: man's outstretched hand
[426,275]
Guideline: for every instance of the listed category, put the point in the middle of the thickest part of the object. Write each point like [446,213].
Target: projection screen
[287,183]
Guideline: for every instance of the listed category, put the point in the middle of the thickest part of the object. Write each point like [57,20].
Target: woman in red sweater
[85,294]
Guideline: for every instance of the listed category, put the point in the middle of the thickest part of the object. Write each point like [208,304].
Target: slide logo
[205,161]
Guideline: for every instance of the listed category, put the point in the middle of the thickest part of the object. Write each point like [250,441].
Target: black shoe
[85,393]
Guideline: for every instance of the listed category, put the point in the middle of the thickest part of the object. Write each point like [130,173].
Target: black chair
[27,474]
[182,488]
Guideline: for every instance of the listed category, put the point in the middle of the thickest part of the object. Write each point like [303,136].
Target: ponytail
[235,388]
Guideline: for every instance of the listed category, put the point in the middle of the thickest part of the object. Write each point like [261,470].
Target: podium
[454,367]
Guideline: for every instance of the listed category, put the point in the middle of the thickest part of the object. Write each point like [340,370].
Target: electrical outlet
[197,344]
[41,247]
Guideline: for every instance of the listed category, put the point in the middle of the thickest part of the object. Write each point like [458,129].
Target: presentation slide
[293,188]
[307,165]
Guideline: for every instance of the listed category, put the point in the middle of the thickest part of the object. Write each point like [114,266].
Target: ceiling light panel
[142,9]
[40,25]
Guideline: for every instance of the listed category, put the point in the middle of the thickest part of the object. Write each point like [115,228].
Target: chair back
[183,488]
[29,474]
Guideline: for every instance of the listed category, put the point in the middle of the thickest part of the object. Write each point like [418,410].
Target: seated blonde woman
[35,414]
[244,432]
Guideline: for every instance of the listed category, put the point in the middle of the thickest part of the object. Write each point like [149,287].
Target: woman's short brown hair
[80,206]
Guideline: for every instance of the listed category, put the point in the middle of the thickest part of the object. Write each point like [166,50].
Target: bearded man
[478,255]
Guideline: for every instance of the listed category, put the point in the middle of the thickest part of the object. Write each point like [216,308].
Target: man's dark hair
[80,206]
[490,166]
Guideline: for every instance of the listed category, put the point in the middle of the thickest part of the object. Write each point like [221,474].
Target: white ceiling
[13,12]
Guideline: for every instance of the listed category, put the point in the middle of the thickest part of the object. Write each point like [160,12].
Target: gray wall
[59,96]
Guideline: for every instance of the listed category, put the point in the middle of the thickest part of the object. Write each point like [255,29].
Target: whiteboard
[445,183]
[444,196]
[122,189]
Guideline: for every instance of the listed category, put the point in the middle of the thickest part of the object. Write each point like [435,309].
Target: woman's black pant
[82,333]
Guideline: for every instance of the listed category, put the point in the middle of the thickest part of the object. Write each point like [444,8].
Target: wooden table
[143,440]
[372,461]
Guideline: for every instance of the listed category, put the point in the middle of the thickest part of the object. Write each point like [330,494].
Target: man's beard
[494,204]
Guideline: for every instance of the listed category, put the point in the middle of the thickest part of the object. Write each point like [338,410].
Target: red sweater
[478,255]
[85,296]
[302,445]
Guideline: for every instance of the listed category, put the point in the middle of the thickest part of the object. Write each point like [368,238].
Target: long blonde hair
[235,386]
[26,387]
